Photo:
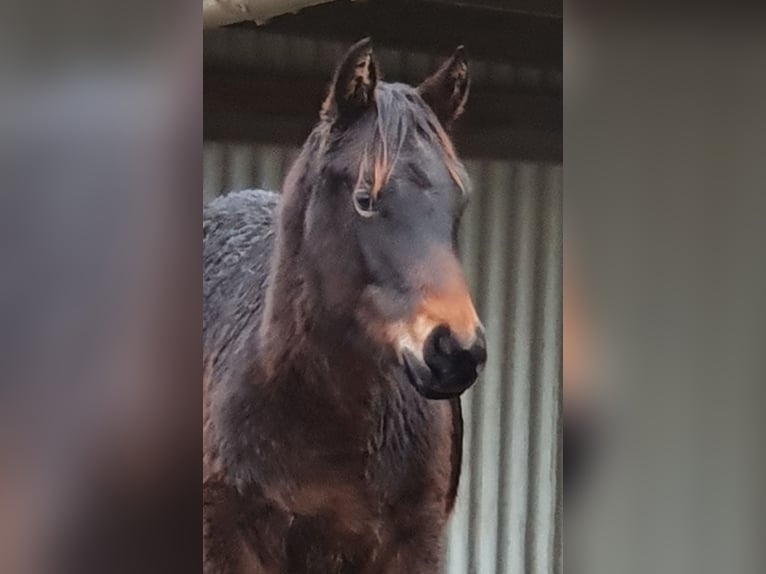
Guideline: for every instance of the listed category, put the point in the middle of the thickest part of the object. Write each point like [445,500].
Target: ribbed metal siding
[507,519]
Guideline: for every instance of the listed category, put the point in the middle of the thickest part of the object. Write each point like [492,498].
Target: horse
[338,335]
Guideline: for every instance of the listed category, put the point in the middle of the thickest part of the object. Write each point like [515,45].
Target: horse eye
[364,203]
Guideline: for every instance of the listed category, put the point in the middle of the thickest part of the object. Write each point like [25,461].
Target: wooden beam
[222,12]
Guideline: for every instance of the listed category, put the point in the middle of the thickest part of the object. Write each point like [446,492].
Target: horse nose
[454,365]
[448,345]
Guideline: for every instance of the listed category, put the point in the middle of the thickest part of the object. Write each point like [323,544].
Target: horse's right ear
[353,87]
[446,91]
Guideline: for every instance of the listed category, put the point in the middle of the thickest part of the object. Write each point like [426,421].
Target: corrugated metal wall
[508,515]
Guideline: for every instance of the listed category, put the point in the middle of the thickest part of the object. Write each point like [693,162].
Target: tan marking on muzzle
[453,309]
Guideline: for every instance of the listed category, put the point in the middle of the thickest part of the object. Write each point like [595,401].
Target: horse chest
[366,471]
[352,487]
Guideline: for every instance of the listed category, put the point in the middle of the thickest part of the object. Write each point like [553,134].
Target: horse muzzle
[447,369]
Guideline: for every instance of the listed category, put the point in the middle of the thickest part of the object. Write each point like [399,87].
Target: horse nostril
[446,347]
[441,348]
[445,341]
[479,348]
[453,366]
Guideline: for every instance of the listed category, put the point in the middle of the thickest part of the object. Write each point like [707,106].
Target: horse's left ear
[447,90]
[355,79]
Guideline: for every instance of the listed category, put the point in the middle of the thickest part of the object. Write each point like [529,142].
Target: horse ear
[446,91]
[353,87]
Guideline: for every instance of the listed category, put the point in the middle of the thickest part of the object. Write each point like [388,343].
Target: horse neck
[296,332]
[303,347]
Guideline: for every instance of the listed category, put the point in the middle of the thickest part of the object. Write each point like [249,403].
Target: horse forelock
[372,147]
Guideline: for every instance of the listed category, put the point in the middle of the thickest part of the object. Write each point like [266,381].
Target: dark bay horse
[338,336]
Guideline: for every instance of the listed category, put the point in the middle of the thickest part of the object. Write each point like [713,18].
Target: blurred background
[263,87]
[100,185]
[665,138]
